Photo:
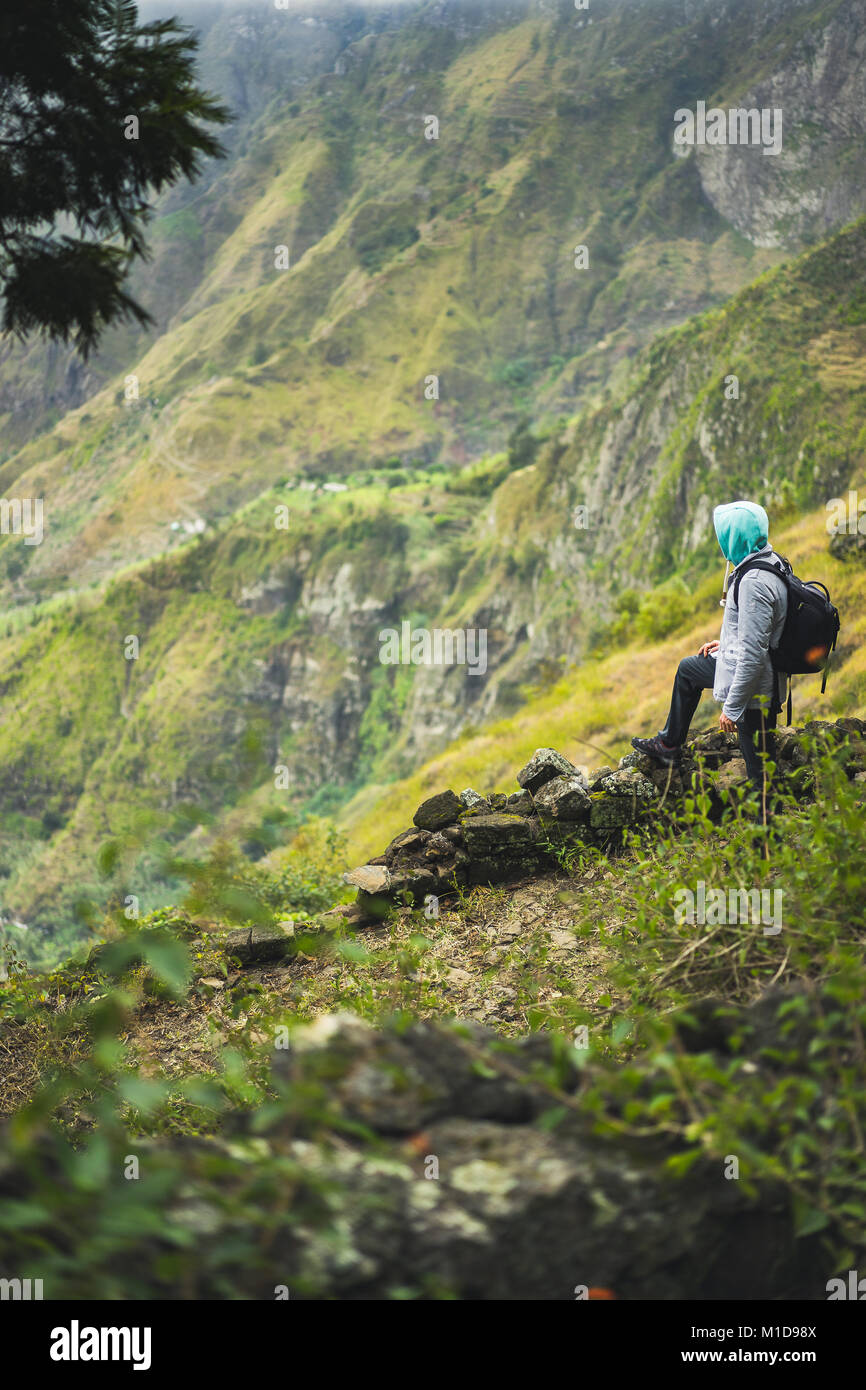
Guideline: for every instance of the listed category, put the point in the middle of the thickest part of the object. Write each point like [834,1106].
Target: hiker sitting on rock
[737,668]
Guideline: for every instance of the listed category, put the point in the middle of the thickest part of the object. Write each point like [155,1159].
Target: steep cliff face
[817,92]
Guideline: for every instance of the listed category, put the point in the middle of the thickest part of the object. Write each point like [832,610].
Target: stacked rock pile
[459,840]
[456,840]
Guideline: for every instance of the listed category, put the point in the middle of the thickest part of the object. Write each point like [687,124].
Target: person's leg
[695,674]
[754,733]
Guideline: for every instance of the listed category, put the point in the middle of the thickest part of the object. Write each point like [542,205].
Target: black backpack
[811,626]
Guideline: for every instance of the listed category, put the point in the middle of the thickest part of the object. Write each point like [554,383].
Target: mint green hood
[741,527]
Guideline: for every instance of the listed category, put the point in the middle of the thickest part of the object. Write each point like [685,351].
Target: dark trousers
[695,674]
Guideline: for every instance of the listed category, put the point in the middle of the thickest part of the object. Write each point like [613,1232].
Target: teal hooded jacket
[741,527]
[744,672]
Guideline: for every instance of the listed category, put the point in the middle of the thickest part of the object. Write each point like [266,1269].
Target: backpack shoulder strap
[782,571]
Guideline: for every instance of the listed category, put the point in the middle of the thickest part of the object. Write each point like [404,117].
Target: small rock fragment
[543,766]
[471,799]
[439,846]
[438,811]
[408,841]
[373,878]
[564,798]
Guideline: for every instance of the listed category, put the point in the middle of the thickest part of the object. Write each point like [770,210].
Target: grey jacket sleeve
[756,613]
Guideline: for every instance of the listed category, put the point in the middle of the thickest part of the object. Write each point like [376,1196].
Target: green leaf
[353,950]
[90,1166]
[107,857]
[808,1219]
[679,1164]
[622,1029]
[549,1119]
[141,1093]
[17,1216]
[108,1053]
[482,1069]
[662,1102]
[167,959]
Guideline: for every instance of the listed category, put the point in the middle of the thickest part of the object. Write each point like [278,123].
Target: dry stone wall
[457,841]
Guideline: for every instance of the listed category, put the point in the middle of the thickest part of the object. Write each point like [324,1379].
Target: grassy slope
[260,372]
[189,726]
[209,708]
[592,712]
[96,748]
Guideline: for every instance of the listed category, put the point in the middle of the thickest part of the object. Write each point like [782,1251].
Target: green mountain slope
[412,257]
[194,647]
[259,647]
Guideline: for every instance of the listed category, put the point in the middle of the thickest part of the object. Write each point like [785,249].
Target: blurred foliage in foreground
[222,1176]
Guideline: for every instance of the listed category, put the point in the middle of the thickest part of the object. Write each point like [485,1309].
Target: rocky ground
[490,1180]
[444,1127]
[558,812]
[523,949]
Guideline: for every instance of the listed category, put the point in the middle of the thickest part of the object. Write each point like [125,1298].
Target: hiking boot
[658,750]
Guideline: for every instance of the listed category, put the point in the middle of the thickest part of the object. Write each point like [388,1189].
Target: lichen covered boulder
[439,847]
[485,835]
[595,781]
[543,766]
[438,811]
[733,775]
[408,842]
[518,1209]
[500,847]
[520,804]
[413,886]
[563,798]
[625,797]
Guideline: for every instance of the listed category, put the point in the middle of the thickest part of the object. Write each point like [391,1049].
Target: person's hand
[708,648]
[727,725]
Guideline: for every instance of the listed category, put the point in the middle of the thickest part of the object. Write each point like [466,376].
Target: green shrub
[663,610]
